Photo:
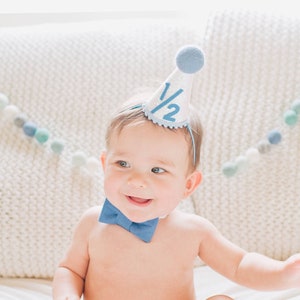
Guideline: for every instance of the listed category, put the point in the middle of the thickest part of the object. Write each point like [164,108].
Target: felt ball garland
[273,138]
[80,160]
[42,136]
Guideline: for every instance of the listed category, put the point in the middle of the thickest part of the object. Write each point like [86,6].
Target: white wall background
[27,12]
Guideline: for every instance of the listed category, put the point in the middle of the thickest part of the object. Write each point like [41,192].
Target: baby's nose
[137,180]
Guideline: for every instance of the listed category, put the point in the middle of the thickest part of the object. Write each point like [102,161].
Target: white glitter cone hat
[169,106]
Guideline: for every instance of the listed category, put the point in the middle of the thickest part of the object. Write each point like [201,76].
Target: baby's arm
[248,269]
[263,273]
[68,281]
[67,285]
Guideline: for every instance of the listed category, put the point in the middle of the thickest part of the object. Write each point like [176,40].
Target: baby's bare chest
[123,267]
[118,253]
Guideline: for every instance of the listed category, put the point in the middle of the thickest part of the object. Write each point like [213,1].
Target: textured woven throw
[69,79]
[252,76]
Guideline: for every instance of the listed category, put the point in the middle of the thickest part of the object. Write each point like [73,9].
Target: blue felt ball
[190,59]
[29,128]
[274,137]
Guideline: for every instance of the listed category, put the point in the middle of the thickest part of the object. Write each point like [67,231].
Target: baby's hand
[292,270]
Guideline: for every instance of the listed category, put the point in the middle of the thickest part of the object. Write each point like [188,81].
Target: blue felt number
[175,107]
[169,116]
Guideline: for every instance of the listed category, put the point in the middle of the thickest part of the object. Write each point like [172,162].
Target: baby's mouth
[138,201]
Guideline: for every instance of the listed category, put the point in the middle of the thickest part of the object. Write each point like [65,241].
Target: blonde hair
[131,114]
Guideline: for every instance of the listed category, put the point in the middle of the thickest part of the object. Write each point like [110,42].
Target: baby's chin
[138,216]
[140,219]
[140,210]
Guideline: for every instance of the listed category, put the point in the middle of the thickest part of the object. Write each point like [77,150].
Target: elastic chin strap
[193,143]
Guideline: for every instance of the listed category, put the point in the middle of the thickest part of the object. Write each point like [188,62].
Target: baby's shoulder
[92,211]
[91,215]
[193,222]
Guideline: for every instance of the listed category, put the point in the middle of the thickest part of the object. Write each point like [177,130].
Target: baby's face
[146,171]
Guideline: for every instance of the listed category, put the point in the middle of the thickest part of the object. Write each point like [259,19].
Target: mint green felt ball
[42,135]
[290,117]
[229,169]
[57,146]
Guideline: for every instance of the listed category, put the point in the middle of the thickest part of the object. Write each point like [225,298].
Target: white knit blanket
[252,76]
[69,79]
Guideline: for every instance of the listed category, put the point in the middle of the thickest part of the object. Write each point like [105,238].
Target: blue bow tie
[111,215]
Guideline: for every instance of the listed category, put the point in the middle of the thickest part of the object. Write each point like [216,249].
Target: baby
[138,245]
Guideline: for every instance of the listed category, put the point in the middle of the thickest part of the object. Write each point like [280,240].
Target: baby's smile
[138,201]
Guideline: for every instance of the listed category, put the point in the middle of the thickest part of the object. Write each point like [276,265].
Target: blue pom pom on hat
[190,59]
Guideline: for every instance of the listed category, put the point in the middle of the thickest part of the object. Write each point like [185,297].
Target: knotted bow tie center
[112,215]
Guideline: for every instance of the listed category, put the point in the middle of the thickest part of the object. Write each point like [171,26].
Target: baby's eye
[123,164]
[158,170]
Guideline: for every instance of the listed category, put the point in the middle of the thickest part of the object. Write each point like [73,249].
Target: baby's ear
[103,159]
[192,182]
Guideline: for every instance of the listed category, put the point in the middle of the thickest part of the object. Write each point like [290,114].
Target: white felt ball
[10,111]
[93,164]
[78,159]
[252,155]
[3,101]
[242,162]
[263,147]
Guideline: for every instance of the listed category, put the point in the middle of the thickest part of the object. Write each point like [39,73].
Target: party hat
[169,105]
